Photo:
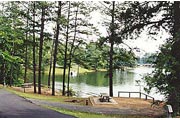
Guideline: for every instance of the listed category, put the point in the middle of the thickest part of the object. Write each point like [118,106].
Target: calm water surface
[97,82]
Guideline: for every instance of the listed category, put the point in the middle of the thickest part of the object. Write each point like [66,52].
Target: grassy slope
[91,115]
[59,71]
[40,96]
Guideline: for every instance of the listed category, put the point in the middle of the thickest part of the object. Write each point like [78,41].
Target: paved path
[13,106]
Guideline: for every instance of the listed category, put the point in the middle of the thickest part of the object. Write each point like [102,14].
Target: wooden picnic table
[104,97]
[26,85]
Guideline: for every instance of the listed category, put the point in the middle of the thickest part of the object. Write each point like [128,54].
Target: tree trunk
[111,53]
[56,45]
[174,96]
[78,70]
[50,66]
[34,48]
[11,71]
[26,49]
[4,73]
[41,47]
[72,46]
[3,67]
[1,74]
[65,55]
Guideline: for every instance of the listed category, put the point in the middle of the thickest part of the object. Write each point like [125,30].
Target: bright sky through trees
[144,43]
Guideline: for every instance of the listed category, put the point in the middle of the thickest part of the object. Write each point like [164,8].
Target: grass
[89,115]
[78,114]
[61,99]
[1,86]
[59,71]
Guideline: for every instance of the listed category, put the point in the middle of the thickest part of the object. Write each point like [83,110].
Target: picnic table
[26,85]
[104,97]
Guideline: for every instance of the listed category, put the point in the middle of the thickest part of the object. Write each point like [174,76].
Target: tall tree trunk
[56,45]
[65,55]
[78,70]
[1,73]
[25,69]
[111,52]
[174,96]
[3,70]
[71,50]
[26,49]
[41,47]
[4,73]
[11,71]
[50,66]
[34,48]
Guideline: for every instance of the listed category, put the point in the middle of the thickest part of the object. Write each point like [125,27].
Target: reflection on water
[97,82]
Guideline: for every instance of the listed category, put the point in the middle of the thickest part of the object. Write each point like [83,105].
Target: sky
[145,44]
[148,45]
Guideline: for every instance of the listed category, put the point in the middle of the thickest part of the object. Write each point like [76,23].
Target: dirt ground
[129,103]
[134,103]
[44,90]
[139,106]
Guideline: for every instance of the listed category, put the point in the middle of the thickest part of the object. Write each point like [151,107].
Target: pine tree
[34,47]
[56,45]
[26,44]
[66,45]
[71,49]
[41,46]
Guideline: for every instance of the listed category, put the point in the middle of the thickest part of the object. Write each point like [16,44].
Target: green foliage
[164,72]
[5,56]
[11,41]
[147,58]
[136,16]
[18,82]
[94,56]
[166,75]
[123,58]
[12,66]
[71,92]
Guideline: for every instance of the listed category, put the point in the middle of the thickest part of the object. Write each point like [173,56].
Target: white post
[169,111]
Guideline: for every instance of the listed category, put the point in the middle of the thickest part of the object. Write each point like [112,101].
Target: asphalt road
[13,106]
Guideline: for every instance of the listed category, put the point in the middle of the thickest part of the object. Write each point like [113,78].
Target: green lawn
[60,99]
[59,71]
[81,114]
[90,115]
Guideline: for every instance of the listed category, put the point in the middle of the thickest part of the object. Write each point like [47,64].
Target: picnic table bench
[26,85]
[104,97]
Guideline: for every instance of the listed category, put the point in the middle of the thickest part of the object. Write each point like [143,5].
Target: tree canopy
[155,17]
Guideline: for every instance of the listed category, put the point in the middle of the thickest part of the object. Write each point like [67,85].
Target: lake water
[97,82]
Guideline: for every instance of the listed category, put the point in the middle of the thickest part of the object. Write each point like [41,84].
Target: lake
[97,82]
